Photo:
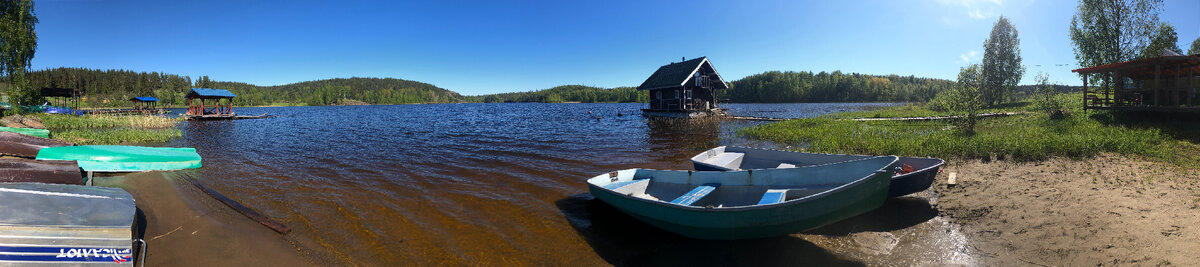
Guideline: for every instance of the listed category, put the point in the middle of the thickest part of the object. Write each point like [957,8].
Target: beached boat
[54,225]
[914,175]
[40,171]
[747,204]
[26,146]
[43,133]
[124,158]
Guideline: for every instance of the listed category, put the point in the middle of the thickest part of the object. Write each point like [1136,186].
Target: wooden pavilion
[143,102]
[684,89]
[1167,83]
[205,103]
[70,94]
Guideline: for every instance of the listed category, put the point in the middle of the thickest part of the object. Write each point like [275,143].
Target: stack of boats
[739,193]
[49,217]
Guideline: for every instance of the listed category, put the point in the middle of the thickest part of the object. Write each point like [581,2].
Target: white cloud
[976,9]
[966,57]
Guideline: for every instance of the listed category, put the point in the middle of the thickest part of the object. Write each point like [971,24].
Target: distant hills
[115,87]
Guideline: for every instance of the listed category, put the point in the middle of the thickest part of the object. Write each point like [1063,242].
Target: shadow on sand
[623,240]
[895,214]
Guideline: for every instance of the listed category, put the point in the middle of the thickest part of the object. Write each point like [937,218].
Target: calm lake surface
[471,183]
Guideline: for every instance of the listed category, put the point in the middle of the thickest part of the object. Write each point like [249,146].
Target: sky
[490,47]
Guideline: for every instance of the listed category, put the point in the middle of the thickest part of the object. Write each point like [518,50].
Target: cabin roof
[676,74]
[1145,68]
[60,92]
[144,99]
[208,93]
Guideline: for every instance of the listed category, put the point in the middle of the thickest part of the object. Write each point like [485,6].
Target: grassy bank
[1032,136]
[109,130]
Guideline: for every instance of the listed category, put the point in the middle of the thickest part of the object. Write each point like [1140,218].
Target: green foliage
[64,122]
[792,87]
[965,99]
[568,93]
[1001,69]
[1164,39]
[18,42]
[1110,31]
[109,130]
[1048,100]
[1030,137]
[1195,49]
[113,88]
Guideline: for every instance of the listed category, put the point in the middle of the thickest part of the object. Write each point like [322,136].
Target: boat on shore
[26,146]
[43,133]
[915,174]
[54,224]
[747,204]
[40,171]
[107,158]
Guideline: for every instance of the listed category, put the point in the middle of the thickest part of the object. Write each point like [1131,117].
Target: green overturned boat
[747,204]
[124,158]
[27,131]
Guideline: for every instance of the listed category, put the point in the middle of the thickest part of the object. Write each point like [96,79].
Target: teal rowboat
[43,133]
[747,204]
[124,158]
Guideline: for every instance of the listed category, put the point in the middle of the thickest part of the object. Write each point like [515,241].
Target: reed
[117,136]
[1032,136]
[64,122]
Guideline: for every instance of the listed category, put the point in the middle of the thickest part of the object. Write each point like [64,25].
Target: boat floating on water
[40,171]
[915,174]
[747,204]
[106,158]
[53,224]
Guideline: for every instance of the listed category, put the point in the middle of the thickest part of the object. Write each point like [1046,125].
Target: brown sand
[185,227]
[1108,210]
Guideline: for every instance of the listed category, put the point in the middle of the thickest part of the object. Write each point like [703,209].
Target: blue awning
[210,93]
[144,99]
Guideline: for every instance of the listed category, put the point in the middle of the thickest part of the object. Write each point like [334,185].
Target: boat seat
[785,166]
[614,186]
[773,196]
[695,195]
[729,160]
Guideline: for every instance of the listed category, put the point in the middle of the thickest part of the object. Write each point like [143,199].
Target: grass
[111,130]
[1032,136]
[117,136]
[65,122]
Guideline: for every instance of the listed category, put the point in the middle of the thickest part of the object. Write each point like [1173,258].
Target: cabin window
[676,93]
[657,95]
[687,94]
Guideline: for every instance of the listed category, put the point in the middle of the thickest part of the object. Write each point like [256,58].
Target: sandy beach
[1103,211]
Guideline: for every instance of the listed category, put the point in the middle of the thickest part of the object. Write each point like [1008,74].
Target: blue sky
[491,47]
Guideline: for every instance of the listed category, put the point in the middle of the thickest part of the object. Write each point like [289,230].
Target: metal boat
[55,225]
[912,174]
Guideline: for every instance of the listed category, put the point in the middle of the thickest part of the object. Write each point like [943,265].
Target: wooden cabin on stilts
[212,104]
[686,89]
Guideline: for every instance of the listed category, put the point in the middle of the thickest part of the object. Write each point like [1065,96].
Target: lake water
[472,183]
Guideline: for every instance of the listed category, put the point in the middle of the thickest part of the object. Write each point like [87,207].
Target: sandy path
[1107,210]
[185,227]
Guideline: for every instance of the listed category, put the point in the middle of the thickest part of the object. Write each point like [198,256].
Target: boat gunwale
[796,201]
[940,162]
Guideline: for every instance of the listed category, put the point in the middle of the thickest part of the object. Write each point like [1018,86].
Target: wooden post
[1108,101]
[1085,92]
[1157,85]
[1175,88]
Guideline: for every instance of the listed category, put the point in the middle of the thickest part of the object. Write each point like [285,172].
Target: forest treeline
[803,86]
[567,93]
[110,88]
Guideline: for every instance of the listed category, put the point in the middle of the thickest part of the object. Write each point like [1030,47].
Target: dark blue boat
[913,174]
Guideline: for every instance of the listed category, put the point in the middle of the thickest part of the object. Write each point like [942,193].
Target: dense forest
[797,87]
[567,93]
[114,87]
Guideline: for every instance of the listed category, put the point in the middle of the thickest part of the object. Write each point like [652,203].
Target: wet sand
[185,227]
[1108,210]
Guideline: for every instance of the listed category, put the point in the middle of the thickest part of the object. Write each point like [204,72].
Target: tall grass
[108,130]
[1032,136]
[62,122]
